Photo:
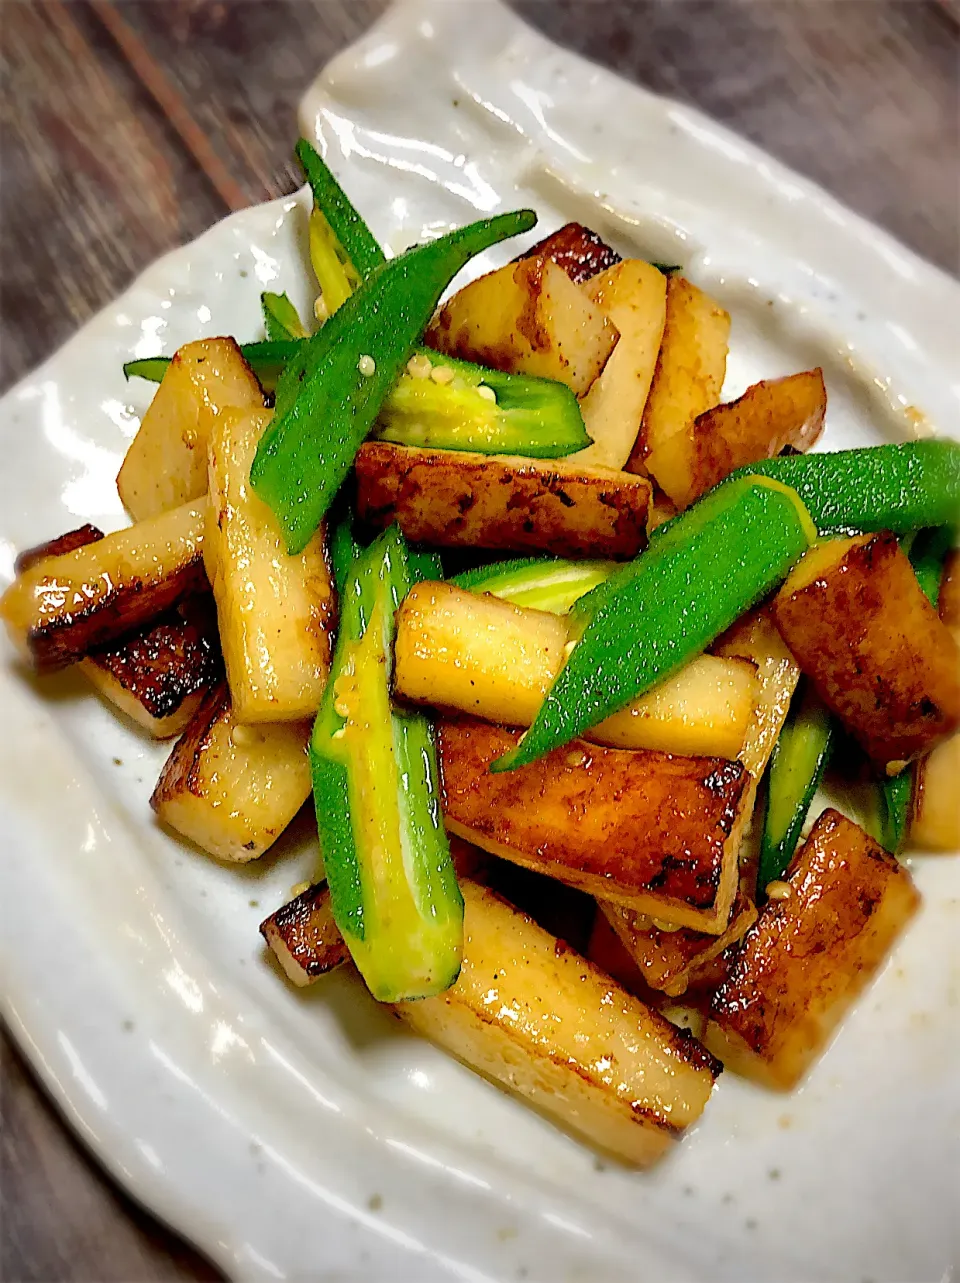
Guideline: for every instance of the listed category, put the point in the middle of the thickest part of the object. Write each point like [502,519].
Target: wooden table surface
[130,127]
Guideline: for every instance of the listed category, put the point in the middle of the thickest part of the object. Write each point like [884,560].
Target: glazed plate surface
[301,1134]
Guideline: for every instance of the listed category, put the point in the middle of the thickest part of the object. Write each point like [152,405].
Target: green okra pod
[393,890]
[348,369]
[657,614]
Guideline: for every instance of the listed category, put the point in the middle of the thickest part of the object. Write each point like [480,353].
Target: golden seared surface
[452,498]
[809,955]
[579,251]
[690,369]
[935,823]
[166,464]
[754,637]
[527,318]
[540,1020]
[304,936]
[656,832]
[859,624]
[63,606]
[471,653]
[770,415]
[668,958]
[233,789]
[58,547]
[633,295]
[170,660]
[276,610]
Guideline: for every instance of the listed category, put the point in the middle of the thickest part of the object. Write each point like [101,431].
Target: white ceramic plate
[301,1135]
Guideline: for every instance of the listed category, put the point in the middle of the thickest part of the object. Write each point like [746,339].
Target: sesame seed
[367,365]
[487,393]
[664,926]
[778,890]
[419,366]
[441,374]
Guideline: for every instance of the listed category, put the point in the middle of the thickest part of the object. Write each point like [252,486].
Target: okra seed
[320,310]
[778,890]
[569,648]
[441,374]
[367,365]
[487,393]
[576,759]
[419,366]
[243,736]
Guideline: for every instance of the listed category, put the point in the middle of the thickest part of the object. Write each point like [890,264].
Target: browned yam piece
[755,637]
[276,611]
[69,542]
[606,951]
[859,624]
[690,370]
[158,676]
[527,318]
[578,250]
[465,652]
[304,936]
[62,607]
[307,940]
[654,832]
[166,464]
[233,789]
[454,499]
[808,957]
[949,601]
[935,822]
[769,416]
[536,1018]
[670,959]
[708,978]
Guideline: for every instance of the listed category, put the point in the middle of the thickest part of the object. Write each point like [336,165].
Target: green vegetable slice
[797,765]
[393,889]
[889,487]
[542,583]
[280,318]
[673,600]
[480,410]
[356,247]
[349,367]
[267,361]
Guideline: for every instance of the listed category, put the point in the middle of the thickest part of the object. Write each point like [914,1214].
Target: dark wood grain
[126,129]
[62,1219]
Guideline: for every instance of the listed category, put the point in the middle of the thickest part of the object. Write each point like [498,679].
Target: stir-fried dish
[563,647]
